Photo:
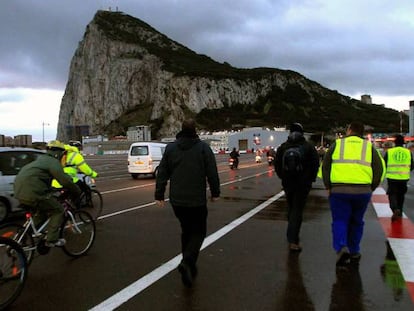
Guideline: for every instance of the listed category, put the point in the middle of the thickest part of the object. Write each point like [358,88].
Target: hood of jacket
[296,137]
[186,139]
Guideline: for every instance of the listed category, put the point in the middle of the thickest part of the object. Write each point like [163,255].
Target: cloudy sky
[353,46]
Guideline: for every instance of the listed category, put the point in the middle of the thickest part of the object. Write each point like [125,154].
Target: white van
[144,158]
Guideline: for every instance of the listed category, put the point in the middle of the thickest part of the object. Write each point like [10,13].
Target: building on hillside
[76,132]
[218,141]
[253,138]
[139,133]
[23,140]
[366,99]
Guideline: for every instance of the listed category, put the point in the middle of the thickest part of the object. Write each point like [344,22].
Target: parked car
[144,158]
[12,159]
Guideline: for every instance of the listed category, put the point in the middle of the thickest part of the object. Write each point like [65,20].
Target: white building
[253,138]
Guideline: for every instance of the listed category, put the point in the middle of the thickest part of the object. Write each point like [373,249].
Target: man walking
[351,169]
[188,163]
[296,163]
[399,163]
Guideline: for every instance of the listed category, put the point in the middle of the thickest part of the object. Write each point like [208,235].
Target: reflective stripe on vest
[70,167]
[351,161]
[398,163]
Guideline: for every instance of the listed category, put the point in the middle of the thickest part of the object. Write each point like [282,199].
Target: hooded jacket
[33,182]
[188,163]
[310,162]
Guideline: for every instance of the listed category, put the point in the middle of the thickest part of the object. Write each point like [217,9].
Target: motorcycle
[233,163]
[270,160]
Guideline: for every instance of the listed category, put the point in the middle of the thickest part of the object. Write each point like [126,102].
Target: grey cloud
[369,51]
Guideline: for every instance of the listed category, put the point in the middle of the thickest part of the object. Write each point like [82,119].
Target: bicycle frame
[39,232]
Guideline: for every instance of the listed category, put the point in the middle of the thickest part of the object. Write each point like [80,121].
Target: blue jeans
[348,219]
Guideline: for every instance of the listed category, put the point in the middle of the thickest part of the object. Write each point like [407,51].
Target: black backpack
[292,161]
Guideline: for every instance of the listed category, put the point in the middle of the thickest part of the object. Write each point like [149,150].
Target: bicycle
[91,199]
[13,271]
[78,229]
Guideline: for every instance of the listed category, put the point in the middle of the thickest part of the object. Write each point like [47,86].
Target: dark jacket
[310,162]
[33,182]
[234,154]
[188,163]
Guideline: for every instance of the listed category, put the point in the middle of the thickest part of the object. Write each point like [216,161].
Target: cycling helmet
[75,143]
[56,149]
[55,144]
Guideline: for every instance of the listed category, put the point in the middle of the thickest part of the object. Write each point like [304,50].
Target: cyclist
[74,163]
[32,188]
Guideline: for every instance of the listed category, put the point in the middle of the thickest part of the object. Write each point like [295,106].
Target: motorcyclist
[234,154]
[32,187]
[270,154]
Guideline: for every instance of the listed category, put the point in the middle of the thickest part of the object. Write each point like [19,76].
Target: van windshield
[139,150]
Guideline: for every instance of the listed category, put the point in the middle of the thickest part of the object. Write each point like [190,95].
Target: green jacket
[33,182]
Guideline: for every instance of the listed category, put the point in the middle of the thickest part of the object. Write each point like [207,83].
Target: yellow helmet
[55,144]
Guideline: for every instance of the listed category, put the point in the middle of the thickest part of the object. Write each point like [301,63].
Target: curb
[400,235]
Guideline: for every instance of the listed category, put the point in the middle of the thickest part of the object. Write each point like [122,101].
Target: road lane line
[152,203]
[135,288]
[153,183]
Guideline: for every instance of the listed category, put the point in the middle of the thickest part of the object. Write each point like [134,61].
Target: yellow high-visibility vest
[398,163]
[74,163]
[351,161]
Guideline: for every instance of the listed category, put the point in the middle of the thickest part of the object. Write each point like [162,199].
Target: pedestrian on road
[399,162]
[296,164]
[188,163]
[351,170]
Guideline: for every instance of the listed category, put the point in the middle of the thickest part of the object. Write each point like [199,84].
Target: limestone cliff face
[125,73]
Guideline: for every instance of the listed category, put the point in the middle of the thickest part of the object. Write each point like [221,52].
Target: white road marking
[403,250]
[135,288]
[152,203]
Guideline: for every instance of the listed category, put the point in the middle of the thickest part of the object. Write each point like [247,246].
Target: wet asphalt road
[247,268]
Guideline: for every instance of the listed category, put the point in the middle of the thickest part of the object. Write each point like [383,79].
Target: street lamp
[43,131]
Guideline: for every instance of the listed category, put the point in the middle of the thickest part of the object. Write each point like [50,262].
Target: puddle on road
[240,188]
[316,210]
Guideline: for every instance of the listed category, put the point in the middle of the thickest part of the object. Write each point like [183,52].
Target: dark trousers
[193,222]
[296,199]
[396,192]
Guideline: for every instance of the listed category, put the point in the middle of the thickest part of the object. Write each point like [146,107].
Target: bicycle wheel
[13,271]
[78,230]
[16,233]
[92,203]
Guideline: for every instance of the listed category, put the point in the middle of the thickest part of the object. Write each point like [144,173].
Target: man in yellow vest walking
[351,170]
[399,162]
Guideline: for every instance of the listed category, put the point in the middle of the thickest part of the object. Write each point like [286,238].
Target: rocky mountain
[126,73]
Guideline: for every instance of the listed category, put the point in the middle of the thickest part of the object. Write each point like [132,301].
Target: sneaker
[57,243]
[186,275]
[355,258]
[343,257]
[295,247]
[396,215]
